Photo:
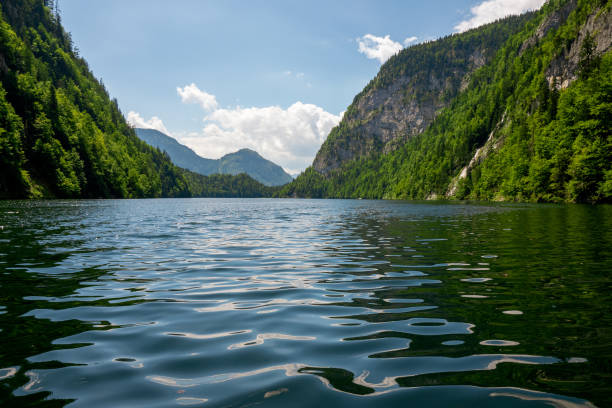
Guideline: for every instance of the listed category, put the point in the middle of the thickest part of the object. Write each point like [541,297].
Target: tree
[589,58]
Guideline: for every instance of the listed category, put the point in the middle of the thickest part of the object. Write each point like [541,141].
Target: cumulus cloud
[380,48]
[410,40]
[192,94]
[137,121]
[491,10]
[289,137]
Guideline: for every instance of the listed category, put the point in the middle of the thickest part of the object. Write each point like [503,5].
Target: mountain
[243,161]
[60,133]
[518,110]
[180,154]
[410,91]
[250,162]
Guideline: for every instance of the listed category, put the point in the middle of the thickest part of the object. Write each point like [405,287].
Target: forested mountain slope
[533,124]
[243,161]
[62,136]
[250,162]
[180,155]
[410,90]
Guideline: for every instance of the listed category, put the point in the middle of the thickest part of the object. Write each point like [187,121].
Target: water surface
[214,302]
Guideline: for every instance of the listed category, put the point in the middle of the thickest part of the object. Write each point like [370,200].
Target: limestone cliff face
[383,117]
[410,90]
[565,68]
[406,107]
[552,22]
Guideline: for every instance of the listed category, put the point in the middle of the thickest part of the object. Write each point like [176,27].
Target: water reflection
[233,302]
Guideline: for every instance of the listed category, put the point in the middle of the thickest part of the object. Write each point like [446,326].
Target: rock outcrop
[565,68]
[552,22]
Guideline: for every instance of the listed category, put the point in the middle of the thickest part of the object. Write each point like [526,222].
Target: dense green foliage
[60,133]
[243,161]
[550,145]
[556,157]
[227,185]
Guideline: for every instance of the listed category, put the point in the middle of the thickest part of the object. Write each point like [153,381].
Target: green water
[304,303]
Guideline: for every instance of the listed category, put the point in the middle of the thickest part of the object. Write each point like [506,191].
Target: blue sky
[270,75]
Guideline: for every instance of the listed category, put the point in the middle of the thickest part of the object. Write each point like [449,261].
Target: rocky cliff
[410,91]
[565,68]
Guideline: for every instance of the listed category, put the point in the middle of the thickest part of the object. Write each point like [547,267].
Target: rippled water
[304,303]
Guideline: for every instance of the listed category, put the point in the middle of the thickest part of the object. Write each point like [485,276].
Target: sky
[271,75]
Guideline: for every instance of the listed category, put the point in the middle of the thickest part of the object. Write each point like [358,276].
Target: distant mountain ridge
[243,161]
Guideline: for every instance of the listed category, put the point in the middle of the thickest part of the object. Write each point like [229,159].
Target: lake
[230,302]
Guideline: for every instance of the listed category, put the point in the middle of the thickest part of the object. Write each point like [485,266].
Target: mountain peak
[245,151]
[242,161]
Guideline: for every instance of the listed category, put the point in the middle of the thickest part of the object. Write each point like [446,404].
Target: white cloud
[137,121]
[192,94]
[380,48]
[491,10]
[410,40]
[289,137]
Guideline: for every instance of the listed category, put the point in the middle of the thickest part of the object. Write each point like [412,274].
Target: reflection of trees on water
[536,279]
[36,276]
